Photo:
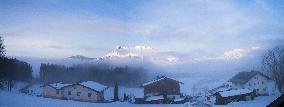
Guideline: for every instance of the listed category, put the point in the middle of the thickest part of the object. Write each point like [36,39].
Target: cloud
[238,53]
[234,54]
[193,27]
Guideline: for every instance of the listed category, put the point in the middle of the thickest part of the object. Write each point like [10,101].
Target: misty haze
[141,53]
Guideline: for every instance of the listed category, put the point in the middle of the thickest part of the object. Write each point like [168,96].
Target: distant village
[244,86]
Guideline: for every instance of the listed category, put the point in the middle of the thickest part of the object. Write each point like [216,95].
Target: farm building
[163,88]
[53,90]
[253,80]
[225,97]
[83,91]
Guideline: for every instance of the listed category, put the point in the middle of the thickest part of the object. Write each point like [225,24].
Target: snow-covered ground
[260,101]
[16,99]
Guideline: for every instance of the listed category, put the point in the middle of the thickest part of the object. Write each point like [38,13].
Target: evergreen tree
[125,97]
[2,48]
[115,96]
[105,74]
[13,69]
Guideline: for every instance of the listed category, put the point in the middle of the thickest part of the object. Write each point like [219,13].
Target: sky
[206,29]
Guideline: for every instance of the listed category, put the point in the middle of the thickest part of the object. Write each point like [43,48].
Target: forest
[12,68]
[102,73]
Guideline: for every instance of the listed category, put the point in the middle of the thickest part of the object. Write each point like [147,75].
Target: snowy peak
[129,52]
[137,53]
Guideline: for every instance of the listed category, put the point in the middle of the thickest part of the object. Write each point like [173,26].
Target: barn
[53,90]
[225,97]
[88,91]
[163,86]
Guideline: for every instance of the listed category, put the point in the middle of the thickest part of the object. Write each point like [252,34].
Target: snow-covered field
[16,99]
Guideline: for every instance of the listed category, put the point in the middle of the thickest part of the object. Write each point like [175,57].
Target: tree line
[13,69]
[102,73]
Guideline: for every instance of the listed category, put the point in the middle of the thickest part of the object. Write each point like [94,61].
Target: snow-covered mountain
[156,60]
[141,53]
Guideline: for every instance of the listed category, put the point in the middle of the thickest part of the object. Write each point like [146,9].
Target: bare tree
[273,64]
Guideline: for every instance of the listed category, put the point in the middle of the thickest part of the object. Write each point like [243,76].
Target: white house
[254,80]
[83,91]
[53,90]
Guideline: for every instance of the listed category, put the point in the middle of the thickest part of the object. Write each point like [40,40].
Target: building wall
[225,100]
[49,91]
[80,93]
[168,86]
[259,84]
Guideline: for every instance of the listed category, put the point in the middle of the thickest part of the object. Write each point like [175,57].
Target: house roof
[159,79]
[244,77]
[93,85]
[235,92]
[89,84]
[58,85]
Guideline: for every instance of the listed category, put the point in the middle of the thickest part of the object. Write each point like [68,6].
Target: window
[257,89]
[262,82]
[249,84]
[264,89]
[257,83]
[254,83]
[57,91]
[78,93]
[69,92]
[89,94]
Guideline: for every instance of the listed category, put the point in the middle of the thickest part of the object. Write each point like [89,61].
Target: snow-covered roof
[153,98]
[156,80]
[58,85]
[244,77]
[235,92]
[178,99]
[153,81]
[93,85]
